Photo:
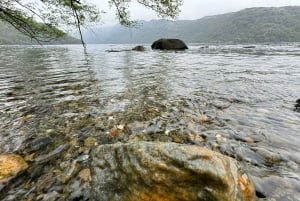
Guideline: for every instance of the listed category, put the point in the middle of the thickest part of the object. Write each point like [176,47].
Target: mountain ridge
[250,25]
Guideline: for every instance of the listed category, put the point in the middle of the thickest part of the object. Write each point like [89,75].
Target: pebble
[70,172]
[10,166]
[82,158]
[52,196]
[220,139]
[90,142]
[50,131]
[85,175]
[38,144]
[52,154]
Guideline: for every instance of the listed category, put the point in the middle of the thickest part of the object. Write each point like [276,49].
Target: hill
[252,25]
[10,36]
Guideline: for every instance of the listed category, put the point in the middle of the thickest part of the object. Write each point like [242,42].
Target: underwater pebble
[52,154]
[10,166]
[220,139]
[50,131]
[63,165]
[52,196]
[85,175]
[293,165]
[90,142]
[69,173]
[38,144]
[82,158]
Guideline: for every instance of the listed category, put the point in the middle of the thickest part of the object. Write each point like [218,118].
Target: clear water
[248,95]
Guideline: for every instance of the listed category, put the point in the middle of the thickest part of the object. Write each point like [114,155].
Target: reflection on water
[243,97]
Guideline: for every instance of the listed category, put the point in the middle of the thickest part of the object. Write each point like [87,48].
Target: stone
[250,47]
[139,48]
[38,144]
[69,172]
[85,175]
[51,155]
[166,172]
[11,165]
[169,44]
[90,142]
[297,105]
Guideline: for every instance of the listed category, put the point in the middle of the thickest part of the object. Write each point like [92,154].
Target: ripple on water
[234,100]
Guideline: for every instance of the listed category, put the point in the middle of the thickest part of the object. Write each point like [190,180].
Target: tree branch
[77,21]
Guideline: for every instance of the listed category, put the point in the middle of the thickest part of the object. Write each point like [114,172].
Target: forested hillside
[249,25]
[10,36]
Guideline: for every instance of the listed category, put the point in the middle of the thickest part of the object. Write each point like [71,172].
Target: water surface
[231,99]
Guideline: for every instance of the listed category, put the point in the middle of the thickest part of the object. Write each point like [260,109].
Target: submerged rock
[139,48]
[166,171]
[250,47]
[10,166]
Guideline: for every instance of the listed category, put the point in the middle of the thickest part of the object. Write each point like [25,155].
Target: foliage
[11,36]
[39,20]
[164,8]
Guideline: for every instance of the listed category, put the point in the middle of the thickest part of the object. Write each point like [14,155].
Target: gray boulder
[166,171]
[169,44]
[297,105]
[139,48]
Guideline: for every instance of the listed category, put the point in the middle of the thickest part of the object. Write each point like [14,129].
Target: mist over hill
[252,25]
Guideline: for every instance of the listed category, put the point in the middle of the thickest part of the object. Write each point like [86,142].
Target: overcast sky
[194,9]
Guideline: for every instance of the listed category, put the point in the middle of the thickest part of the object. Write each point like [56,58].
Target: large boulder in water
[297,105]
[169,44]
[166,172]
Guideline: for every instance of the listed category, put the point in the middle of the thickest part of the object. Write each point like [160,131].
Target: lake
[235,100]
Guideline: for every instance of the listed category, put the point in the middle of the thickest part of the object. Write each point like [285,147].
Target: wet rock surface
[166,171]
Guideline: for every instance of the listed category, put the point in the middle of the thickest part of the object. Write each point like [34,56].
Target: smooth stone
[166,171]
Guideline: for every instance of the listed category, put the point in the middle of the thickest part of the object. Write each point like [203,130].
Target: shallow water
[234,100]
